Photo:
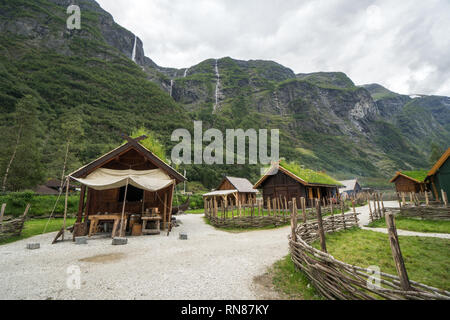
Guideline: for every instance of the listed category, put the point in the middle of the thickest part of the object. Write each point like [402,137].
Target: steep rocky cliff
[326,121]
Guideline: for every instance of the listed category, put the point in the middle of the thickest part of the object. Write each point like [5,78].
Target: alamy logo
[74,20]
[73,281]
[374,280]
[236,153]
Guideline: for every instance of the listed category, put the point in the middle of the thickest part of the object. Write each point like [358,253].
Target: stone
[33,246]
[183,236]
[119,241]
[81,240]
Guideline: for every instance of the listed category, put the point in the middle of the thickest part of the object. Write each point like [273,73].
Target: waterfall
[277,102]
[186,72]
[217,85]
[133,54]
[171,87]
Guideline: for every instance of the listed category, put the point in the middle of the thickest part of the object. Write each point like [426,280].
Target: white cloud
[403,45]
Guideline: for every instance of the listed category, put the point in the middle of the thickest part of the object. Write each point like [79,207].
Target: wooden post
[354,212]
[382,204]
[411,200]
[403,199]
[268,205]
[293,221]
[343,214]
[165,212]
[396,253]
[65,208]
[444,197]
[303,204]
[399,201]
[2,213]
[427,200]
[332,215]
[123,210]
[321,232]
[370,210]
[170,207]
[380,214]
[81,204]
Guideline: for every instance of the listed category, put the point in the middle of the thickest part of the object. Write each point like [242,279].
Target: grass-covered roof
[419,175]
[308,175]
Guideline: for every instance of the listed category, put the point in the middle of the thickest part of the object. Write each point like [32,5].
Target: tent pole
[123,209]
[65,207]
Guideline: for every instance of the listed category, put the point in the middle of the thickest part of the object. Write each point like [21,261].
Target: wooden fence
[256,214]
[11,228]
[335,279]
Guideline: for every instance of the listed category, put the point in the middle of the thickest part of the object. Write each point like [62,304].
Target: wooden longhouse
[410,181]
[439,176]
[233,190]
[288,180]
[131,170]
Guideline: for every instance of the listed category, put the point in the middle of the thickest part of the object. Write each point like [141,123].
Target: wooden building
[439,176]
[129,174]
[234,190]
[351,187]
[289,180]
[410,181]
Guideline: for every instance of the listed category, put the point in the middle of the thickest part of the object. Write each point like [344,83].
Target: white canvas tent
[104,179]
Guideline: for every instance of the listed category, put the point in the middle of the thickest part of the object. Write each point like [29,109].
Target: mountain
[326,121]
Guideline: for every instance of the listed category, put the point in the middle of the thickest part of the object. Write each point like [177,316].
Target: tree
[151,143]
[24,168]
[436,153]
[72,131]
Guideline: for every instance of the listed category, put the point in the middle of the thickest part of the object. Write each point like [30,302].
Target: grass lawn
[195,211]
[417,225]
[426,259]
[35,227]
[291,282]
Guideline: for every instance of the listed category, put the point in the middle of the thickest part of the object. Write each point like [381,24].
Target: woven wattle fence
[257,214]
[12,228]
[335,279]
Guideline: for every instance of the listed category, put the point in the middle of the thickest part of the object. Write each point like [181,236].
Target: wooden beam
[81,204]
[170,206]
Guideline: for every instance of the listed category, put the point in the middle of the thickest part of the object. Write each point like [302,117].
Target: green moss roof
[419,175]
[308,175]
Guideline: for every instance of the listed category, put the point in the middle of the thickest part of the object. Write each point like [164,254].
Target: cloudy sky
[403,45]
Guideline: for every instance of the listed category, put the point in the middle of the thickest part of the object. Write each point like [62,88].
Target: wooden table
[95,219]
[147,219]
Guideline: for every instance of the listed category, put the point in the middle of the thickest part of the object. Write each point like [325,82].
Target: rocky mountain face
[326,121]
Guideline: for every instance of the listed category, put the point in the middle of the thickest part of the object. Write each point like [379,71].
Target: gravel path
[212,264]
[365,220]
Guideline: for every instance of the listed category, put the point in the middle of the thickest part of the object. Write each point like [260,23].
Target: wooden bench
[95,219]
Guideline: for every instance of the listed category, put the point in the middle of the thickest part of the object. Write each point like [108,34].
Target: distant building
[439,176]
[289,180]
[234,189]
[351,187]
[410,181]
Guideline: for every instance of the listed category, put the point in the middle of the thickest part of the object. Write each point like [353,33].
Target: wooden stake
[403,199]
[343,214]
[303,204]
[123,210]
[354,212]
[396,253]
[293,221]
[2,213]
[444,197]
[370,210]
[65,208]
[323,244]
[427,200]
